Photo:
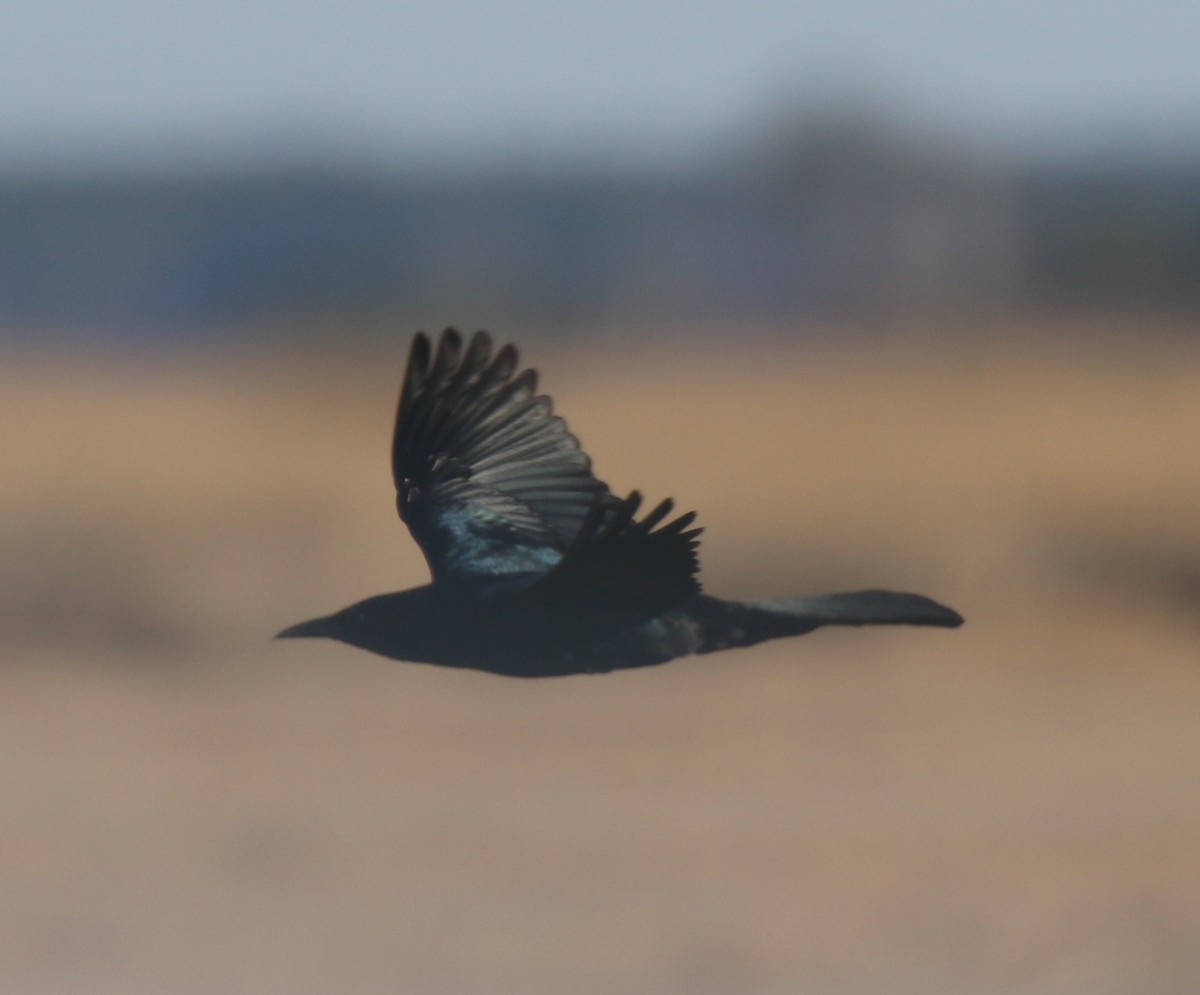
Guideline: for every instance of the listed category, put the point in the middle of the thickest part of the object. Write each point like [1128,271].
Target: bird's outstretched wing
[617,573]
[488,479]
[631,567]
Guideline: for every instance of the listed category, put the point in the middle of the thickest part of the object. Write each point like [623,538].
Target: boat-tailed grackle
[538,568]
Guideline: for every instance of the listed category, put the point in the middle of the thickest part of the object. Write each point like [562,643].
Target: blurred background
[898,296]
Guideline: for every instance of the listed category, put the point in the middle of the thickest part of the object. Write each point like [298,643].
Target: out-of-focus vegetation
[1001,808]
[836,218]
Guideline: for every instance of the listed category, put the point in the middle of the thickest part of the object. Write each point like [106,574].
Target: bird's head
[390,624]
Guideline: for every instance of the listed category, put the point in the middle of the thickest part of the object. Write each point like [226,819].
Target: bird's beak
[306,630]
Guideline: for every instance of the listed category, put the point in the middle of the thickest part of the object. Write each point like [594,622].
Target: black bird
[538,569]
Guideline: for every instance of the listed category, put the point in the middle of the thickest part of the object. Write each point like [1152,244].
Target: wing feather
[617,573]
[488,479]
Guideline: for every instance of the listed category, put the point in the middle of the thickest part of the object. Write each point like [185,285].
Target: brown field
[189,807]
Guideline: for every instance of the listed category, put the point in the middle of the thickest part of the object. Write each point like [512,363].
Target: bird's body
[538,569]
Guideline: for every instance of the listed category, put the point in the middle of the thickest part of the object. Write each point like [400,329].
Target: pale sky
[625,79]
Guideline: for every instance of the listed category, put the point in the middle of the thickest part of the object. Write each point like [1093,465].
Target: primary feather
[488,479]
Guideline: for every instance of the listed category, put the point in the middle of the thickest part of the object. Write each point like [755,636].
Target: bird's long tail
[725,624]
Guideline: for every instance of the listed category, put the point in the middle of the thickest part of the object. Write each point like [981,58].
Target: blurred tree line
[835,219]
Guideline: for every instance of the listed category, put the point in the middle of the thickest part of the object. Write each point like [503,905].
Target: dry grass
[1010,807]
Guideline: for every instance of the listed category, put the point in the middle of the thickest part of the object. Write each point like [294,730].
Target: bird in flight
[539,570]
